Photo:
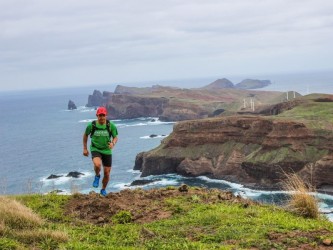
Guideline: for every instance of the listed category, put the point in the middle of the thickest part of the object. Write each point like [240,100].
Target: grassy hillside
[156,219]
[314,113]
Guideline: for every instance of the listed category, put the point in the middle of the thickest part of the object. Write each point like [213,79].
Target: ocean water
[40,137]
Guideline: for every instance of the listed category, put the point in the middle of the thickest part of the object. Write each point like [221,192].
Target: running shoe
[103,193]
[96,181]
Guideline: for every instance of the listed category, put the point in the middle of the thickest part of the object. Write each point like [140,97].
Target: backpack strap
[93,128]
[108,127]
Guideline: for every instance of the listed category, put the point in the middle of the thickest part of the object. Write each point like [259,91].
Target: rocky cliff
[122,106]
[98,99]
[175,104]
[251,150]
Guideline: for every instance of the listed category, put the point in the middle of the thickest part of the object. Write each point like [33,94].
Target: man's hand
[85,152]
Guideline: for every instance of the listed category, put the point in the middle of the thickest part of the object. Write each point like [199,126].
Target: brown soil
[144,205]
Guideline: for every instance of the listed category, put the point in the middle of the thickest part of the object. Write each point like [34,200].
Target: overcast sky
[56,43]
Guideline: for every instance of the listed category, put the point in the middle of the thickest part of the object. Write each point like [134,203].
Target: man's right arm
[85,142]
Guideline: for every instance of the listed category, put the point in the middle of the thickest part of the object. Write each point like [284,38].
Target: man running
[104,137]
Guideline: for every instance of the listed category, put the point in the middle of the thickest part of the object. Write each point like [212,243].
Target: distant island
[245,84]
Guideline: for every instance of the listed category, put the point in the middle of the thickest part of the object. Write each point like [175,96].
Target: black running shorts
[106,159]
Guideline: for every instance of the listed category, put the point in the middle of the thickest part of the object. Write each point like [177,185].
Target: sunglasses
[101,115]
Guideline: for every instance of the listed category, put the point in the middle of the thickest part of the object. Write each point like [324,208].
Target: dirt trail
[144,205]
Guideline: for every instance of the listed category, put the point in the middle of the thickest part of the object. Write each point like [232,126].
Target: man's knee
[107,170]
[97,162]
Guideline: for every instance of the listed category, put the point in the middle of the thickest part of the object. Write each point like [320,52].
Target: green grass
[285,154]
[193,225]
[21,228]
[316,115]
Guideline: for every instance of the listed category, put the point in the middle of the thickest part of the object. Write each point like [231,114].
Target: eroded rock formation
[71,105]
[251,150]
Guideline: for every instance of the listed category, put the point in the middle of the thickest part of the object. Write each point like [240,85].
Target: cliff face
[252,150]
[98,99]
[127,106]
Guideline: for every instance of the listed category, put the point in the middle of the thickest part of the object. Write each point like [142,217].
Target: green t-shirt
[100,139]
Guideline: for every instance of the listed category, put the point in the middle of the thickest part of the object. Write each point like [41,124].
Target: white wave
[122,185]
[87,120]
[133,171]
[324,196]
[329,217]
[80,109]
[157,122]
[149,121]
[63,192]
[149,137]
[232,185]
[164,182]
[85,109]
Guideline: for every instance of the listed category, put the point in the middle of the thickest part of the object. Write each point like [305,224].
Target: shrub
[8,244]
[17,216]
[301,201]
[122,217]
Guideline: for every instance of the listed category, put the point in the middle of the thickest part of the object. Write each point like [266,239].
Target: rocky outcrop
[54,176]
[251,150]
[142,182]
[98,99]
[128,106]
[71,105]
[74,174]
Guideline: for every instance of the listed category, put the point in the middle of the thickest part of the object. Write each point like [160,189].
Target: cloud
[43,39]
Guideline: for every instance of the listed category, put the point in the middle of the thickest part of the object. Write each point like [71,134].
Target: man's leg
[97,165]
[97,161]
[106,176]
[107,163]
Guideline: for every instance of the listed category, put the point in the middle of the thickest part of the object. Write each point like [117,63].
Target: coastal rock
[153,136]
[252,150]
[74,174]
[71,105]
[96,99]
[142,182]
[56,191]
[53,176]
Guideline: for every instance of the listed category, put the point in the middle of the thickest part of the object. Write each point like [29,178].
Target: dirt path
[144,205]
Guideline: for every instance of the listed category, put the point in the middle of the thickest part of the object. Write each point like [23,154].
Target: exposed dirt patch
[292,239]
[143,205]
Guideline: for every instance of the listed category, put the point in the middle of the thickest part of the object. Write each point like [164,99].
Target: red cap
[101,110]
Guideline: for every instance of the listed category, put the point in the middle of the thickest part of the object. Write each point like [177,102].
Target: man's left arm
[114,133]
